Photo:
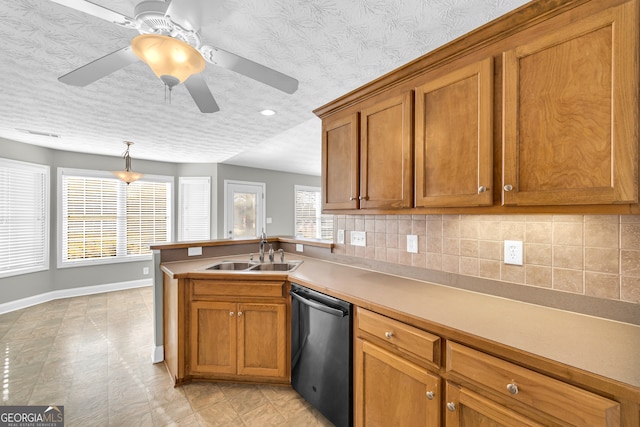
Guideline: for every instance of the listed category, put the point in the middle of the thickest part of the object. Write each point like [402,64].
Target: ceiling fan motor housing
[152,19]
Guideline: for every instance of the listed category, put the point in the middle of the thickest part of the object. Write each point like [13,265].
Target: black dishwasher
[321,352]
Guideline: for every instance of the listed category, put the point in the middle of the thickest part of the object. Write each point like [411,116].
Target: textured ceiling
[330,46]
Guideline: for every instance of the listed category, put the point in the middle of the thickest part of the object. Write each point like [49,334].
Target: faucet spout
[263,242]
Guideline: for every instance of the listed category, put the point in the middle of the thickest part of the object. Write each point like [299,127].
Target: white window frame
[184,217]
[44,170]
[89,173]
[309,188]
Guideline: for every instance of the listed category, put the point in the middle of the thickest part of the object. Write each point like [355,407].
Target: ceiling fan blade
[187,13]
[249,68]
[201,94]
[100,68]
[99,12]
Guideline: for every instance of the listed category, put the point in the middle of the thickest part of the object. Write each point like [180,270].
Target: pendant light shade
[172,60]
[127,175]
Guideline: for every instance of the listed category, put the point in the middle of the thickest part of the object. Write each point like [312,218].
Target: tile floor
[92,354]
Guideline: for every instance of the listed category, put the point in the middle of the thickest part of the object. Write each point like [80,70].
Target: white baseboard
[158,354]
[72,292]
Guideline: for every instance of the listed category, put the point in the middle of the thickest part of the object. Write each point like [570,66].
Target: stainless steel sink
[277,266]
[231,265]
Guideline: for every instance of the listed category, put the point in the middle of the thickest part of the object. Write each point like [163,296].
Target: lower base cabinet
[391,391]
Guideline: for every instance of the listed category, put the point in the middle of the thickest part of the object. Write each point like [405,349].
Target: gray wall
[279,196]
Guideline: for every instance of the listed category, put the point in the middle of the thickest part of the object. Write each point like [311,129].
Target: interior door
[244,209]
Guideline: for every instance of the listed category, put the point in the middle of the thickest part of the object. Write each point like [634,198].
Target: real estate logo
[31,416]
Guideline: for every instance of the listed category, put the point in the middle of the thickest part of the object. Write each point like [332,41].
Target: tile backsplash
[595,255]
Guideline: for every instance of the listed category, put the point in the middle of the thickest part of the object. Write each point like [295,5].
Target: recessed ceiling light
[267,112]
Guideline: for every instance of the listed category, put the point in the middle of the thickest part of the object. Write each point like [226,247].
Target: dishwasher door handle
[319,306]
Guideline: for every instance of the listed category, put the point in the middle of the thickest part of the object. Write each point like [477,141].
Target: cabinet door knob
[508,187]
[388,334]
[352,198]
[451,406]
[430,395]
[482,189]
[239,313]
[231,313]
[363,197]
[512,388]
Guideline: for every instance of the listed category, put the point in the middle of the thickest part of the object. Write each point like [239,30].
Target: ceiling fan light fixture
[127,175]
[168,57]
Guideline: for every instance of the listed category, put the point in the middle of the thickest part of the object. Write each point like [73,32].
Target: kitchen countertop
[598,346]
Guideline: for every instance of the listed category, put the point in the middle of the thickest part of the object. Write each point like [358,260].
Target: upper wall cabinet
[386,153]
[340,158]
[454,138]
[570,109]
[367,156]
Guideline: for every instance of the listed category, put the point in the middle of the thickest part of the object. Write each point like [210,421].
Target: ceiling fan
[170,43]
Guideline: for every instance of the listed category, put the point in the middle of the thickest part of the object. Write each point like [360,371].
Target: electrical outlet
[513,252]
[341,237]
[145,270]
[412,243]
[299,247]
[194,251]
[358,238]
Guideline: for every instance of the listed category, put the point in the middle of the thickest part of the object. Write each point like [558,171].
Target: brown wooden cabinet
[454,137]
[570,109]
[511,395]
[392,384]
[247,339]
[367,156]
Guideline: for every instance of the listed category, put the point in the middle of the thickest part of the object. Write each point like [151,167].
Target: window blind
[195,208]
[24,217]
[105,220]
[309,220]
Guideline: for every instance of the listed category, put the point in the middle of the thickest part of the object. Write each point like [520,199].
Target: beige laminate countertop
[603,347]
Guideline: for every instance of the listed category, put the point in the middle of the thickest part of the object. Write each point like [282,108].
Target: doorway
[244,213]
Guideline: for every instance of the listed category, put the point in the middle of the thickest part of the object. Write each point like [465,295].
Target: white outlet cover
[341,237]
[412,243]
[194,251]
[299,247]
[513,252]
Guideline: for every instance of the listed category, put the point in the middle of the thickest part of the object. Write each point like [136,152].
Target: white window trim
[90,173]
[47,213]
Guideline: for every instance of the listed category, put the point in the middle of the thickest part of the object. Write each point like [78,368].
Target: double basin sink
[231,265]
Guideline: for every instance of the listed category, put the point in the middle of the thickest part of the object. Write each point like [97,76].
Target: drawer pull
[430,395]
[388,334]
[451,406]
[513,388]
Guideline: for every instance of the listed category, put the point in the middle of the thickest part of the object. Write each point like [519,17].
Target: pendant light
[127,175]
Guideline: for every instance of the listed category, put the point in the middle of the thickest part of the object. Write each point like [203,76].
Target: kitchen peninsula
[566,367]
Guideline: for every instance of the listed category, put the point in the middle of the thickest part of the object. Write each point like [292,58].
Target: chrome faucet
[263,241]
[271,253]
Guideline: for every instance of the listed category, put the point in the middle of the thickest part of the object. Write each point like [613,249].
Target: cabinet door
[213,337]
[340,160]
[391,391]
[466,409]
[570,110]
[454,138]
[262,340]
[386,153]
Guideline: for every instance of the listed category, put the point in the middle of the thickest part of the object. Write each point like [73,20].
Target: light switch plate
[513,252]
[358,238]
[412,243]
[341,237]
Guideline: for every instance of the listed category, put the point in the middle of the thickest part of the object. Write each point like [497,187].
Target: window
[104,220]
[195,208]
[310,222]
[24,217]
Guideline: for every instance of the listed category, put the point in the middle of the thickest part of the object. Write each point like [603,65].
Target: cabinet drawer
[401,335]
[563,401]
[248,288]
